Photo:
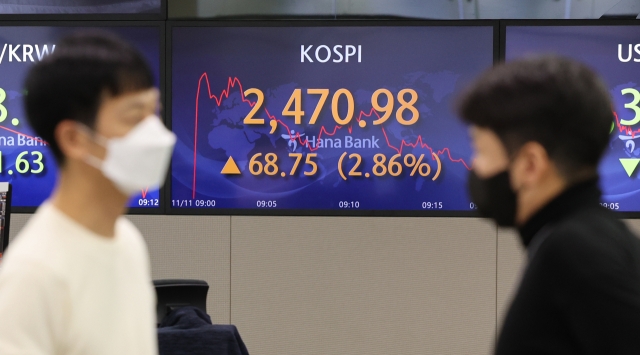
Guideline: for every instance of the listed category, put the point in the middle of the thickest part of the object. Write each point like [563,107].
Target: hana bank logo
[25,52]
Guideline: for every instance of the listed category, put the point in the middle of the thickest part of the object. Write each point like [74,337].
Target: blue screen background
[30,190]
[597,46]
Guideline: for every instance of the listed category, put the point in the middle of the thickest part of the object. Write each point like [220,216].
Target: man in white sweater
[77,279]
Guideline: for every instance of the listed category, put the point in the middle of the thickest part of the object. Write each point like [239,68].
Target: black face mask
[494,197]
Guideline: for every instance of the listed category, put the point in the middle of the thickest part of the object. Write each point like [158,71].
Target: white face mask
[139,159]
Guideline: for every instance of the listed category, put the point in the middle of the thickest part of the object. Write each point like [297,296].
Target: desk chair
[184,327]
[175,293]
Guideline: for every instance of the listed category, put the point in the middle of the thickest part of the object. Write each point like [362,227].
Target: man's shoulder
[126,229]
[591,230]
[131,236]
[35,252]
[593,243]
[38,239]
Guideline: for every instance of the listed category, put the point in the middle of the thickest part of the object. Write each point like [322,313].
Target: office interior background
[353,285]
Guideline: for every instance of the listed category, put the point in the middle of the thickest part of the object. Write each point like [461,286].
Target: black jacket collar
[579,196]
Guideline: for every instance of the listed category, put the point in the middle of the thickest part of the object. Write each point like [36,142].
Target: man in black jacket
[539,128]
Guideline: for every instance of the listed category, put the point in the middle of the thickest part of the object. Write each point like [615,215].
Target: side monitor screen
[614,53]
[25,159]
[322,120]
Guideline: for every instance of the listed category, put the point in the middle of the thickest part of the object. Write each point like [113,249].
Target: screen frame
[504,24]
[7,220]
[161,16]
[161,25]
[171,24]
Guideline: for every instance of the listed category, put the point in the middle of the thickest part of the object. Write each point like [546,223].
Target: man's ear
[531,165]
[71,141]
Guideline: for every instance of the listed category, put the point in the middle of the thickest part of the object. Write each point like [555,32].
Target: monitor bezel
[171,24]
[161,25]
[7,220]
[555,23]
[161,16]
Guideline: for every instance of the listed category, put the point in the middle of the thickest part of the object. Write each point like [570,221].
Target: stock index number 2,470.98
[293,108]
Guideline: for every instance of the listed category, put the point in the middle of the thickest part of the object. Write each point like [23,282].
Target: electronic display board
[612,49]
[25,160]
[340,118]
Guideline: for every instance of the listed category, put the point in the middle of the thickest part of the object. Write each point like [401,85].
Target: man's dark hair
[557,102]
[72,82]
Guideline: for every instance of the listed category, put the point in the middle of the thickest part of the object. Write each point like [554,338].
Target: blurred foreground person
[77,280]
[539,128]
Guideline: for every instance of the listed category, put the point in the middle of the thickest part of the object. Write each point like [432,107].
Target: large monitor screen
[334,119]
[614,53]
[25,160]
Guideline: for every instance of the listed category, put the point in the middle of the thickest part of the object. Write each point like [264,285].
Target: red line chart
[625,129]
[25,135]
[234,81]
